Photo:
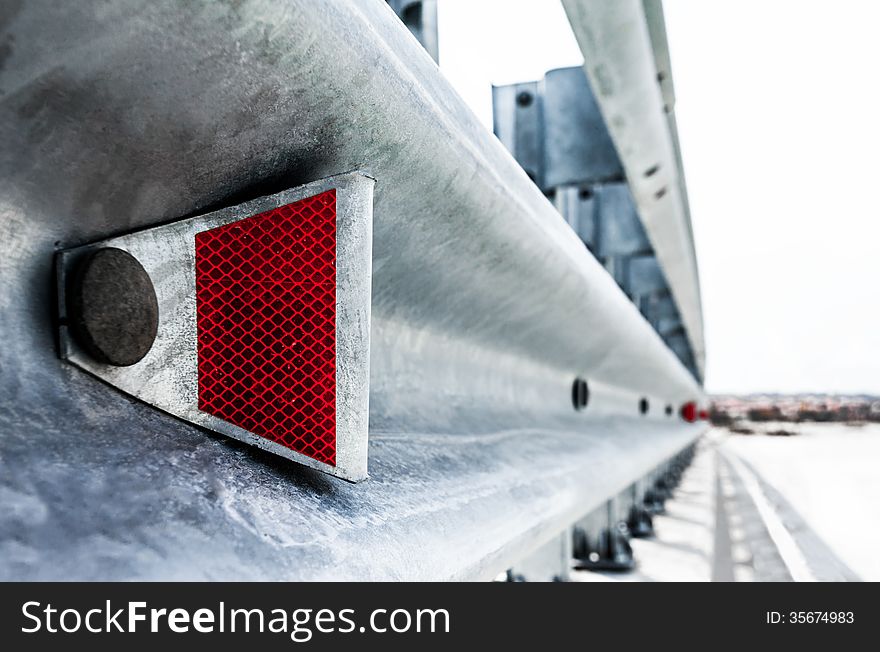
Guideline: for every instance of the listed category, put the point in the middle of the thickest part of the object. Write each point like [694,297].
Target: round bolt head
[524,98]
[112,307]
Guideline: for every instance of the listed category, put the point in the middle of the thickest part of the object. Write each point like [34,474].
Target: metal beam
[486,306]
[620,63]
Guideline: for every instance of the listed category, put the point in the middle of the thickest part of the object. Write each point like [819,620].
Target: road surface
[770,508]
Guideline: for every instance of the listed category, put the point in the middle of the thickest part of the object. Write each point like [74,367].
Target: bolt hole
[651,171]
[524,99]
[580,394]
[659,194]
[585,193]
[668,410]
[643,405]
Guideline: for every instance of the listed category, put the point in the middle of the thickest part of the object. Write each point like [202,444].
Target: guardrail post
[420,17]
[639,520]
[549,563]
[555,130]
[518,117]
[601,541]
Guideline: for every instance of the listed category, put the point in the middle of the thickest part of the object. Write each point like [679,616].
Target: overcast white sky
[778,106]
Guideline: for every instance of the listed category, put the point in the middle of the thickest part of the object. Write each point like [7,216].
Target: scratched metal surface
[122,115]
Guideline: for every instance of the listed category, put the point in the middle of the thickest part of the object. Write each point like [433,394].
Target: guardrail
[487,309]
[626,60]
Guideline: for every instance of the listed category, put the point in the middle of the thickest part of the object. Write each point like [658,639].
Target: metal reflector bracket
[263,320]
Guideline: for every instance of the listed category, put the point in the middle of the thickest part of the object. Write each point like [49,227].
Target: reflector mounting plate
[264,322]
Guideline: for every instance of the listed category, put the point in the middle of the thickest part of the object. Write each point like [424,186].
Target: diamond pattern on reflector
[266,306]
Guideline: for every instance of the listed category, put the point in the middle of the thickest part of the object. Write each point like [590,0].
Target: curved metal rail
[486,306]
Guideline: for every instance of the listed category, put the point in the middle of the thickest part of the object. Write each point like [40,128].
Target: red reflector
[689,412]
[266,306]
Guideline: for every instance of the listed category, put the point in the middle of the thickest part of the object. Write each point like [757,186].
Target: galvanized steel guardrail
[626,60]
[486,306]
